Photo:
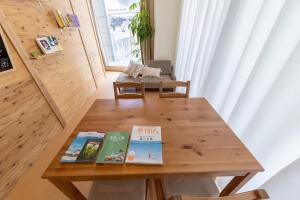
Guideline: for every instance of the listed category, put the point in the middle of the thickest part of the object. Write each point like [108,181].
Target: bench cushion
[123,77]
[153,82]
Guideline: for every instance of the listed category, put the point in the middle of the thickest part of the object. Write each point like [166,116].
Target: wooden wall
[27,122]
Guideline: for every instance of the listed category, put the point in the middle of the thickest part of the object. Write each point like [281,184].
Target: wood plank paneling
[27,122]
[65,74]
[23,55]
[92,49]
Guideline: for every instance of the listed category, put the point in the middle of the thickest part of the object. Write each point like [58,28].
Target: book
[145,145]
[82,140]
[68,20]
[63,17]
[59,19]
[74,20]
[114,148]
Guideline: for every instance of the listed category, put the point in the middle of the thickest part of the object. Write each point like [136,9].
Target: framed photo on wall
[5,62]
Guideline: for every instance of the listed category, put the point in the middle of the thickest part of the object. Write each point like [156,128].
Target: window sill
[115,68]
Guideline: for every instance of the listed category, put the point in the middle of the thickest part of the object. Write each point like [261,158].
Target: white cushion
[134,69]
[194,186]
[138,71]
[131,68]
[150,71]
[118,190]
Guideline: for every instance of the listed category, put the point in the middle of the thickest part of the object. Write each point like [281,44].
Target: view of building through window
[113,18]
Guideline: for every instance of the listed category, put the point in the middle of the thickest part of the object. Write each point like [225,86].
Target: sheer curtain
[244,57]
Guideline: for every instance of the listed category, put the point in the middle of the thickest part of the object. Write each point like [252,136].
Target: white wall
[167,16]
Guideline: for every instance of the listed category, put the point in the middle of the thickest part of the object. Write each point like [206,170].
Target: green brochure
[114,148]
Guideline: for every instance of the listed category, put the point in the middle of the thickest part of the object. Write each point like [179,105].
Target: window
[112,18]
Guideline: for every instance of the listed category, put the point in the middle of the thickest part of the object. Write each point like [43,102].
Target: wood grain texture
[65,74]
[236,183]
[92,18]
[195,141]
[89,39]
[159,189]
[24,57]
[27,122]
[68,189]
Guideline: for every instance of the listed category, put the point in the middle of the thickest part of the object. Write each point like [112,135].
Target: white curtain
[244,57]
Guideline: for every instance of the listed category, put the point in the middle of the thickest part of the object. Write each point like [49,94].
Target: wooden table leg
[147,191]
[236,183]
[159,189]
[68,189]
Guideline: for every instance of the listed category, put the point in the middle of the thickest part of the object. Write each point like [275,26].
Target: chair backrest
[259,194]
[173,85]
[138,93]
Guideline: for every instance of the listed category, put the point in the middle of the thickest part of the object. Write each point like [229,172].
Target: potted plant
[140,27]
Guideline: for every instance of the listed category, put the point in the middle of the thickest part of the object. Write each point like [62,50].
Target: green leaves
[140,27]
[140,24]
[136,52]
[133,6]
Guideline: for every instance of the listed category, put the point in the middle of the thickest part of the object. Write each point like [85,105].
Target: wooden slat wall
[89,40]
[27,122]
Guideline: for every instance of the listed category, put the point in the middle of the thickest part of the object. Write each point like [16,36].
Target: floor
[31,186]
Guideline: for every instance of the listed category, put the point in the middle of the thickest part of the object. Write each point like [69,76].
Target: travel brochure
[86,144]
[115,147]
[145,145]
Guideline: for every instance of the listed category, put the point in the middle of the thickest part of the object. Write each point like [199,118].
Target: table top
[195,141]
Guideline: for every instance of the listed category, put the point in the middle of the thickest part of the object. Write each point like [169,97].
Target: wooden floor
[31,186]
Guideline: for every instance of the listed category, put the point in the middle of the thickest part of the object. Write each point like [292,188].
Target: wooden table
[196,141]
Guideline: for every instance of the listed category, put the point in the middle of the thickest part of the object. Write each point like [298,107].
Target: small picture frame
[46,45]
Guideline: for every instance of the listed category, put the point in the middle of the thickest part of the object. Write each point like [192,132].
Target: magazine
[73,20]
[114,148]
[145,145]
[82,140]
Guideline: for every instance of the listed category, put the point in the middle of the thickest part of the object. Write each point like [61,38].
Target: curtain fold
[148,45]
[243,57]
[288,176]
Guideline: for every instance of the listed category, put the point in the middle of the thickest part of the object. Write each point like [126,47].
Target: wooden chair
[173,85]
[195,186]
[138,93]
[259,194]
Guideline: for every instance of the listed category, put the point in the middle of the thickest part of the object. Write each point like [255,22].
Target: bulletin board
[5,62]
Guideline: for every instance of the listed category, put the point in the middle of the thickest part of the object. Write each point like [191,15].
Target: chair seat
[195,186]
[124,78]
[118,190]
